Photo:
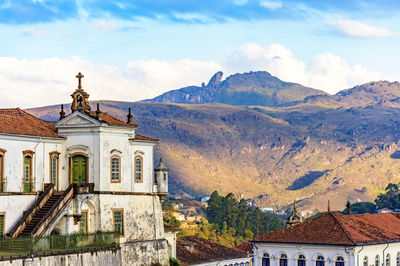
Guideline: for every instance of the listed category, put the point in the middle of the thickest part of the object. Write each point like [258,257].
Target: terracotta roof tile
[111,120]
[338,229]
[144,138]
[18,122]
[246,247]
[203,251]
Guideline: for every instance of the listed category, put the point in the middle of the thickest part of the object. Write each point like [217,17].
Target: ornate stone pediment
[77,119]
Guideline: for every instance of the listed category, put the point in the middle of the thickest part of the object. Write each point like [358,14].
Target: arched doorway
[79,169]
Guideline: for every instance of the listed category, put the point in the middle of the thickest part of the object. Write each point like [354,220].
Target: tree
[361,207]
[235,218]
[390,199]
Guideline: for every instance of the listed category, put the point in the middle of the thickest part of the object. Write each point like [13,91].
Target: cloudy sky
[133,50]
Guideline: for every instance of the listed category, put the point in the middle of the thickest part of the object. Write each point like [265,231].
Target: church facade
[86,173]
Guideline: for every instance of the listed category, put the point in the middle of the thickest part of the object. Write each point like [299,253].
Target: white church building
[86,173]
[333,239]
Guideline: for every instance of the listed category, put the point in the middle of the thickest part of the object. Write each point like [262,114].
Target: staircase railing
[27,215]
[53,213]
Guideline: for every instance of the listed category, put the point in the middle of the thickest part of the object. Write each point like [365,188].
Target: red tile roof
[111,120]
[338,229]
[203,251]
[18,122]
[246,247]
[144,138]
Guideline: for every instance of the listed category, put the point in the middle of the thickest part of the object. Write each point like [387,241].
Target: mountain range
[270,140]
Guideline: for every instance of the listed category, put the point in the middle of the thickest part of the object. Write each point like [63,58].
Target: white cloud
[105,25]
[355,28]
[29,83]
[271,5]
[324,71]
[33,32]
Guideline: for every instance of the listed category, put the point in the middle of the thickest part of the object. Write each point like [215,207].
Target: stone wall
[99,258]
[145,253]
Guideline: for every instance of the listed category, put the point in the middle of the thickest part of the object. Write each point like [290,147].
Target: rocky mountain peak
[215,81]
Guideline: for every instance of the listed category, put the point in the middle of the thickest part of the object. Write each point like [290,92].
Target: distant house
[179,216]
[204,199]
[267,210]
[333,239]
[384,210]
[170,235]
[193,250]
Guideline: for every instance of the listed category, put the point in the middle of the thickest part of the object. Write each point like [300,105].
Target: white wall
[100,142]
[13,159]
[351,255]
[292,251]
[13,207]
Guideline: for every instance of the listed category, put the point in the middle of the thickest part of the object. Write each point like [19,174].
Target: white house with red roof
[333,239]
[87,172]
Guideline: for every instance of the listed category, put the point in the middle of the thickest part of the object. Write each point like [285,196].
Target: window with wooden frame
[115,168]
[2,224]
[2,177]
[27,171]
[138,169]
[118,218]
[54,164]
[83,223]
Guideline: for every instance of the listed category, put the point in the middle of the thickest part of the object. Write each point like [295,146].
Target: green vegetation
[361,207]
[390,199]
[234,218]
[174,262]
[169,218]
[53,244]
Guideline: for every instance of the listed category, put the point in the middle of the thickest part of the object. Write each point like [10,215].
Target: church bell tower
[80,98]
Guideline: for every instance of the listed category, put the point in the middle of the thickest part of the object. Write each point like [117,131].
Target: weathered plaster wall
[99,258]
[145,253]
[142,216]
[13,207]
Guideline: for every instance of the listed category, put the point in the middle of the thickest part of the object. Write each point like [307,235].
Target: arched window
[398,259]
[365,262]
[377,261]
[265,261]
[320,261]
[138,169]
[339,261]
[301,261]
[387,262]
[115,169]
[283,260]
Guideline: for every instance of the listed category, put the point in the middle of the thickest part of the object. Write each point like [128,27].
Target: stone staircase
[38,216]
[42,213]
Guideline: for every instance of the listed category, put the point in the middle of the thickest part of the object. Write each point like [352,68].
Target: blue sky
[132,50]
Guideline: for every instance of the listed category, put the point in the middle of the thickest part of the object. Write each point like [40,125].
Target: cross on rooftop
[79,77]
